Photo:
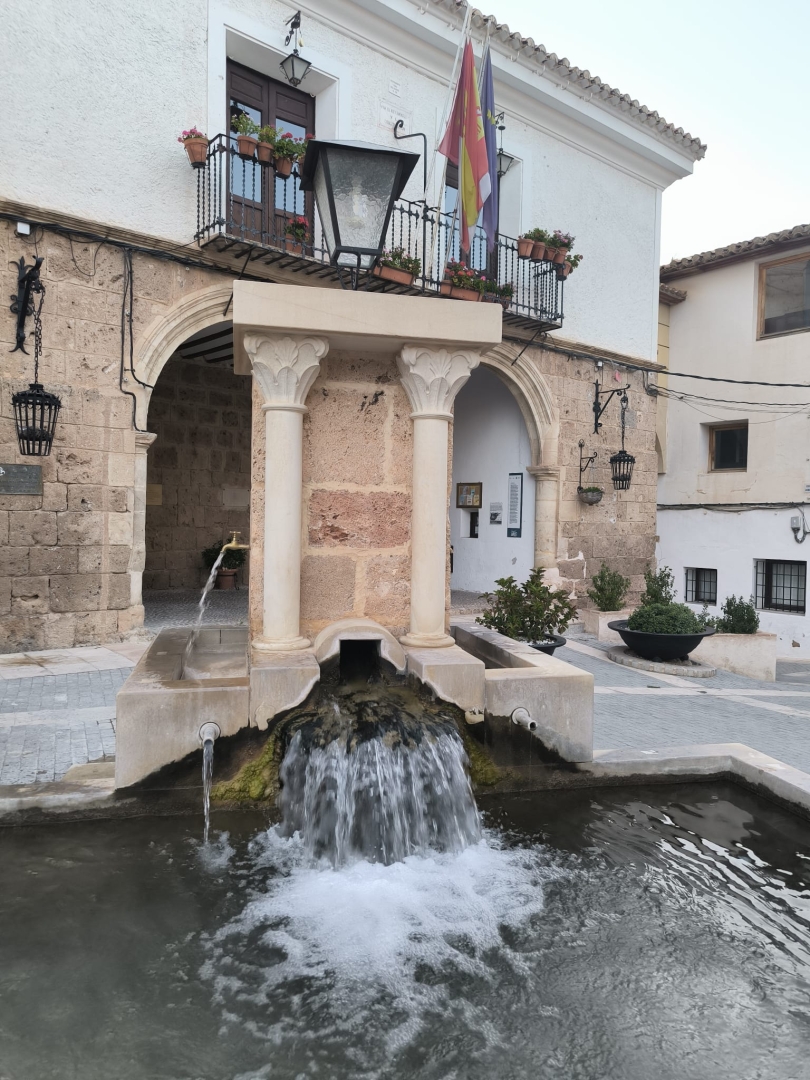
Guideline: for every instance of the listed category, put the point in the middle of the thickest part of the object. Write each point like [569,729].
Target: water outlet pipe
[522,718]
[209,733]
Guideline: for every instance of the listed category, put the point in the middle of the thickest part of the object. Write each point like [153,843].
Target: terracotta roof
[669,295]
[747,249]
[591,86]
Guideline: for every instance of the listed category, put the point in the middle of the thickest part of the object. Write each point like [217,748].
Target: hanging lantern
[621,464]
[295,67]
[35,409]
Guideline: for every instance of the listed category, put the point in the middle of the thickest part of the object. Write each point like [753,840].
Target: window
[785,296]
[261,202]
[701,586]
[728,446]
[780,586]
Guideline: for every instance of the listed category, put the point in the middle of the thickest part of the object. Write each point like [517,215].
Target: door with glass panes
[260,204]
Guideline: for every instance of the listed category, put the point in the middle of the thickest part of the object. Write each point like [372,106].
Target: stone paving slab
[40,746]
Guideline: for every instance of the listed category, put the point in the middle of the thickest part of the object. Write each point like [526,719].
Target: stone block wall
[357,496]
[198,474]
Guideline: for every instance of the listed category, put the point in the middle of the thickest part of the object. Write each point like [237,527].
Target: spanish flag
[465,146]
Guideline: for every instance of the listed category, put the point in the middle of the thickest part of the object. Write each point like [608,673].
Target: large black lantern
[35,413]
[356,185]
[621,464]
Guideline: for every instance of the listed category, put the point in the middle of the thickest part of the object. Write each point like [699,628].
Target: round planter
[664,647]
[293,246]
[550,253]
[264,152]
[564,270]
[524,246]
[283,167]
[539,250]
[393,273]
[226,579]
[246,146]
[549,647]
[506,302]
[197,150]
[590,498]
[559,255]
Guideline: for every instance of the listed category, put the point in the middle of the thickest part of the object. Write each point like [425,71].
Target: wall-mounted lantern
[621,464]
[35,409]
[295,67]
[504,160]
[356,185]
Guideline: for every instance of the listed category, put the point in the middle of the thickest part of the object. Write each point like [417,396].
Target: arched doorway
[492,448]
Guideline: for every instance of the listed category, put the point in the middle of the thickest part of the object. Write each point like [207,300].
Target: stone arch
[167,332]
[541,415]
[533,396]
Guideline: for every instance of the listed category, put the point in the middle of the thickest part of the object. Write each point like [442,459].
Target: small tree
[529,612]
[659,587]
[608,588]
[739,616]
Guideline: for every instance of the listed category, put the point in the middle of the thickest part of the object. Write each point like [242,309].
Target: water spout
[208,734]
[233,544]
[523,719]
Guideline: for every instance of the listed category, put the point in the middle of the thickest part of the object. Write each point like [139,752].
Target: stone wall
[357,496]
[198,477]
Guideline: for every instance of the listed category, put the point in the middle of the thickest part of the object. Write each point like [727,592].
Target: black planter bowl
[664,647]
[550,646]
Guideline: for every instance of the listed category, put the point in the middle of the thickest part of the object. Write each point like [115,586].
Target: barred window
[701,585]
[780,586]
[728,446]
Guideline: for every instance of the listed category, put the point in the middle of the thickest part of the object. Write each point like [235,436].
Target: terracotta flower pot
[539,250]
[525,245]
[505,302]
[294,247]
[246,145]
[472,295]
[197,150]
[393,273]
[264,152]
[559,255]
[446,288]
[226,579]
[550,253]
[283,167]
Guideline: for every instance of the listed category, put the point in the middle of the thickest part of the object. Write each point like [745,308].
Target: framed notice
[20,479]
[496,513]
[514,505]
[468,496]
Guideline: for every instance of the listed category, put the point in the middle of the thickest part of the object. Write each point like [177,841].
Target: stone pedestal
[431,378]
[284,368]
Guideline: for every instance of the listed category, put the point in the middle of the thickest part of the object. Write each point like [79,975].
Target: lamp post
[356,185]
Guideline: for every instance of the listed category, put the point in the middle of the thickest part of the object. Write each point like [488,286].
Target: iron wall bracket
[599,409]
[22,305]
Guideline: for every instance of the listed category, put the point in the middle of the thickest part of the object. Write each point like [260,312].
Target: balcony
[244,211]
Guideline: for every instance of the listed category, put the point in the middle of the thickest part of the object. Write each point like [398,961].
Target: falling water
[207,773]
[192,640]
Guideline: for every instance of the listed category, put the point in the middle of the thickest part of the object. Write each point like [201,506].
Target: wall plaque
[514,506]
[20,479]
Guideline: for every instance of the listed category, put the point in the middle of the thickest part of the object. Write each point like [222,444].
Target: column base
[292,645]
[427,641]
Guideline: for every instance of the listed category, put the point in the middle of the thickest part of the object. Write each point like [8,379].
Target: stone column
[546,514]
[137,558]
[431,379]
[284,368]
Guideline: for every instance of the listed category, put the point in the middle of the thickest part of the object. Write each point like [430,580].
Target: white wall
[489,442]
[729,543]
[114,85]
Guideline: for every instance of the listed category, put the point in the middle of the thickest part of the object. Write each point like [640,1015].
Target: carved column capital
[285,368]
[544,472]
[432,377]
[143,440]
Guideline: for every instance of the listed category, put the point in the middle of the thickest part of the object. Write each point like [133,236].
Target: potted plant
[233,560]
[738,644]
[660,629]
[561,244]
[506,292]
[288,149]
[266,148]
[461,282]
[607,593]
[398,267]
[196,145]
[531,612]
[296,229]
[525,244]
[590,495]
[246,131]
[570,264]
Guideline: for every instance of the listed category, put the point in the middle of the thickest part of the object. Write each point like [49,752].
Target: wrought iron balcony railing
[248,210]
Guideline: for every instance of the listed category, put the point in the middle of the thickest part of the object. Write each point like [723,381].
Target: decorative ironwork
[599,409]
[35,409]
[244,210]
[621,464]
[584,462]
[22,305]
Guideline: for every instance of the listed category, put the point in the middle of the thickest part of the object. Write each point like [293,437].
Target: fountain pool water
[611,933]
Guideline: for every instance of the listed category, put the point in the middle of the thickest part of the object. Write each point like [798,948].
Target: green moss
[483,771]
[257,781]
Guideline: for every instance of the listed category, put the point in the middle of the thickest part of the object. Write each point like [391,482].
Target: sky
[732,72]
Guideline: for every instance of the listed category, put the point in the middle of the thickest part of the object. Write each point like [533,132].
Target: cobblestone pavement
[180,607]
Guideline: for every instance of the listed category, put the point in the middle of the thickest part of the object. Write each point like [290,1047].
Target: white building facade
[734,495]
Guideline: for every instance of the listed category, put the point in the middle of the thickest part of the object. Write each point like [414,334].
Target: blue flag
[487,94]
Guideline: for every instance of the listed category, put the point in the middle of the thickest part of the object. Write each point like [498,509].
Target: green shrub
[608,588]
[234,557]
[664,619]
[529,612]
[659,587]
[739,617]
